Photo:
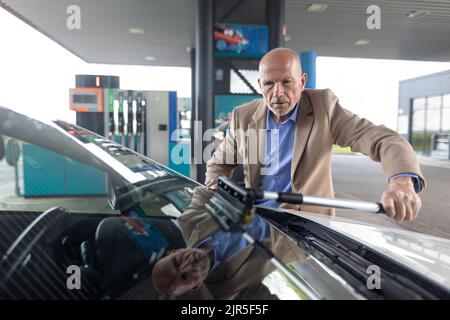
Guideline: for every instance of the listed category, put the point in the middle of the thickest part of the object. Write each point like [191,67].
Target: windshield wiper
[391,287]
[352,258]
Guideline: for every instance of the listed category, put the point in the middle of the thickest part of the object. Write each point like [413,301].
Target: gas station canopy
[162,32]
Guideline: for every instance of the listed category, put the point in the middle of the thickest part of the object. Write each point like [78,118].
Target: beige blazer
[321,122]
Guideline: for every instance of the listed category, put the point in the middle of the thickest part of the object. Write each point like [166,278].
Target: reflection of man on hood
[184,270]
[181,271]
[211,252]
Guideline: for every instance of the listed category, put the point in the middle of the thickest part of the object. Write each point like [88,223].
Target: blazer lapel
[305,120]
[257,125]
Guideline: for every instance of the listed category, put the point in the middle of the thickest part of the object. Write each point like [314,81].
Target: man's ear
[304,80]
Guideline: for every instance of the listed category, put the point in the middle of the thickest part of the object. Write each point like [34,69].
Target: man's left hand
[401,201]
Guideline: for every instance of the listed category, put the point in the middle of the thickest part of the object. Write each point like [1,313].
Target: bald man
[284,142]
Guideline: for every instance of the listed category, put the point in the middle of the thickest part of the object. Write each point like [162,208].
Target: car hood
[425,254]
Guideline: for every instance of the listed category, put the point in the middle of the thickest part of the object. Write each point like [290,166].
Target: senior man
[299,129]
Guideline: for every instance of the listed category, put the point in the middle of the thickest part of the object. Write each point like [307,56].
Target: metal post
[308,60]
[275,19]
[448,146]
[16,172]
[204,80]
[193,108]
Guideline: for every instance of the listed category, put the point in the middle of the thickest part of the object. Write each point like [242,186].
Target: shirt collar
[270,122]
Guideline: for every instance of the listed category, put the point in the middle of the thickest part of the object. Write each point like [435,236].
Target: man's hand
[401,202]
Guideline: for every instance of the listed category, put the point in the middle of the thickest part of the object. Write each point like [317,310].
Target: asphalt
[358,177]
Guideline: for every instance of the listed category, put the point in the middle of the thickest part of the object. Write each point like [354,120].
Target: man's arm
[383,145]
[195,222]
[224,159]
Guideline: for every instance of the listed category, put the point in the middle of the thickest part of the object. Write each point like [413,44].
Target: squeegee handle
[295,198]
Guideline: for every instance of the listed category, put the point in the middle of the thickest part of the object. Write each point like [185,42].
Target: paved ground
[7,185]
[358,177]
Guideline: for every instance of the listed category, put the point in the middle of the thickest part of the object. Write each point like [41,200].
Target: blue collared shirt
[416,181]
[227,244]
[277,163]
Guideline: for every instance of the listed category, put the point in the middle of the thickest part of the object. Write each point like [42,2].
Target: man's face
[181,271]
[281,83]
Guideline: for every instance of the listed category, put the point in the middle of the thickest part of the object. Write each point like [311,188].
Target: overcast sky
[36,74]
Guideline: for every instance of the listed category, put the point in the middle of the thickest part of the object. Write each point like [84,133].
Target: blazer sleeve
[224,159]
[196,223]
[379,143]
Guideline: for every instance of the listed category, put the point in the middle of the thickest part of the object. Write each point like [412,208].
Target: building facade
[424,114]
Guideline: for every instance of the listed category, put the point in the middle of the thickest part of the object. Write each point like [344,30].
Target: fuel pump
[129,143]
[111,121]
[142,125]
[125,116]
[116,107]
[121,122]
[133,124]
[139,123]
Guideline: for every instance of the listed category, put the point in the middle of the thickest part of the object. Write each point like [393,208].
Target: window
[434,113]
[430,117]
[446,112]
[420,137]
[418,114]
[237,85]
